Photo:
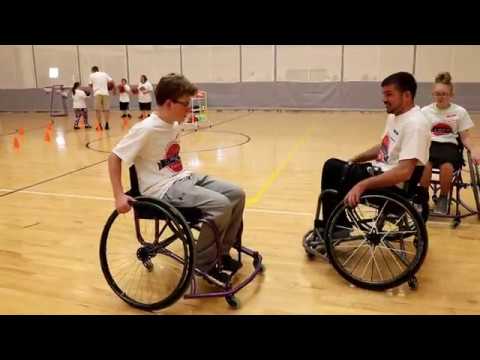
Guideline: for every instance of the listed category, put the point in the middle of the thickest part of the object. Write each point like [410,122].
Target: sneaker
[441,206]
[230,264]
[123,115]
[88,126]
[107,127]
[76,127]
[129,116]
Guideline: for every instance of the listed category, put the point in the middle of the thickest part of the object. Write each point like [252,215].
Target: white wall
[375,62]
[109,58]
[461,61]
[258,63]
[312,63]
[154,61]
[16,67]
[63,57]
[221,63]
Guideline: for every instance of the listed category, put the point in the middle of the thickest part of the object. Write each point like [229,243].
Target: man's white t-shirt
[146,144]
[145,98]
[447,123]
[100,80]
[124,97]
[406,136]
[79,99]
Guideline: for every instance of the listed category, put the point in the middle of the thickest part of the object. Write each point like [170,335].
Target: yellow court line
[279,170]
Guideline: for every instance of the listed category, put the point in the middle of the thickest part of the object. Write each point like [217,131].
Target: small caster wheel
[413,283]
[310,256]
[233,301]
[148,265]
[262,269]
[455,223]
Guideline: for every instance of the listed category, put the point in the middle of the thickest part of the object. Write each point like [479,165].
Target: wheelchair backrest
[134,188]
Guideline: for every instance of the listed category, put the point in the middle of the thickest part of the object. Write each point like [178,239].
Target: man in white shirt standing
[99,81]
[405,144]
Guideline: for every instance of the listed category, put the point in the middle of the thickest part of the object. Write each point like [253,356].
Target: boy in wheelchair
[153,146]
[404,146]
[450,124]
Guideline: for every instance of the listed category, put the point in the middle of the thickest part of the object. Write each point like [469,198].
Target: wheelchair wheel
[475,181]
[147,254]
[379,244]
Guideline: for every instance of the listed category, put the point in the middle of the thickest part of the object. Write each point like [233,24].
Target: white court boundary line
[266,211]
[102,198]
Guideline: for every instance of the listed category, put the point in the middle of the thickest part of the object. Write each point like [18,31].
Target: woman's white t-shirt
[447,123]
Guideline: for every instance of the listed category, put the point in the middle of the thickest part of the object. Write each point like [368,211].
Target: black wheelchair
[148,254]
[379,244]
[458,184]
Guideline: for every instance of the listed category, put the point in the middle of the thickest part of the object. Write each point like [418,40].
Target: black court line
[92,165]
[52,178]
[190,132]
[245,141]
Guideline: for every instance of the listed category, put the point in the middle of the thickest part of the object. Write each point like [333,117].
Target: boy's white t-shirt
[447,123]
[145,98]
[124,97]
[145,145]
[100,80]
[406,136]
[79,99]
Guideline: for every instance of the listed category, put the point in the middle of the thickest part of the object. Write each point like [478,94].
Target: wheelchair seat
[192,215]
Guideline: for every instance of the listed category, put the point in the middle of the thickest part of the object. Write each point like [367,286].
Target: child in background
[79,106]
[124,98]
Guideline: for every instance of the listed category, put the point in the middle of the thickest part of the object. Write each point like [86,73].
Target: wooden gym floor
[55,198]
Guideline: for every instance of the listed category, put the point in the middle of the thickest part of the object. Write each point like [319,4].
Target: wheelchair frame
[190,219]
[459,184]
[320,242]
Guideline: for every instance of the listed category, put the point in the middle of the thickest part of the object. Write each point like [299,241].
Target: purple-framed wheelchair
[148,255]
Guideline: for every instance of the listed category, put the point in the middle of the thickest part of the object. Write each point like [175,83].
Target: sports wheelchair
[379,244]
[458,184]
[148,255]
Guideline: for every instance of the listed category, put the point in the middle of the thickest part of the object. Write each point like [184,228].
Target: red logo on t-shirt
[441,129]
[383,153]
[173,151]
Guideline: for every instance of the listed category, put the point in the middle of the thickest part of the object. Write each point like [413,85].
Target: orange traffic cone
[47,136]
[16,143]
[125,123]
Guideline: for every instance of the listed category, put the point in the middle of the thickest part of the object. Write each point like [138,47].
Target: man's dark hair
[404,81]
[94,68]
[173,86]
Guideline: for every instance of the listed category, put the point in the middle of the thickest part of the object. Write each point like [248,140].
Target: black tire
[475,181]
[233,301]
[383,240]
[413,283]
[165,264]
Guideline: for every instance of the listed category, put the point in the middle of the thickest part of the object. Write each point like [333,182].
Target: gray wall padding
[332,95]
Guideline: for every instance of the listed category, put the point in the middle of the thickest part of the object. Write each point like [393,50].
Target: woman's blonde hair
[446,79]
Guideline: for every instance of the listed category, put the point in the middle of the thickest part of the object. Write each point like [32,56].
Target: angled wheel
[475,181]
[381,244]
[147,254]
